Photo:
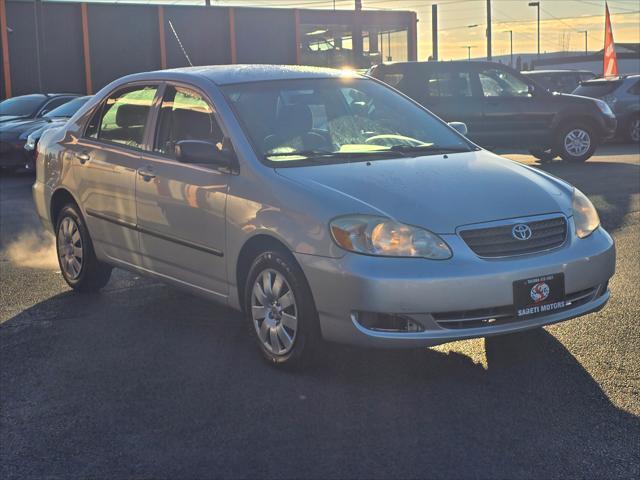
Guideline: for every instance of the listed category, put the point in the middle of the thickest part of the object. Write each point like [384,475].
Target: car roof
[456,63]
[602,81]
[230,74]
[557,71]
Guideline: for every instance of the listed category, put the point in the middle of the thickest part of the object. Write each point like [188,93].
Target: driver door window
[499,83]
[185,115]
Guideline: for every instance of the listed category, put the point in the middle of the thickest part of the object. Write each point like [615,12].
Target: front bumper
[422,289]
[608,126]
[12,153]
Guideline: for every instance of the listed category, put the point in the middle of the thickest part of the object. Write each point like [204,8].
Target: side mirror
[459,127]
[200,151]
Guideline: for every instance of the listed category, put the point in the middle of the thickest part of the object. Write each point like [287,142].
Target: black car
[55,118]
[503,108]
[622,94]
[19,116]
[561,81]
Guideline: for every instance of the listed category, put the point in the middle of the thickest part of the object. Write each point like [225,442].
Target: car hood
[436,192]
[10,118]
[571,99]
[22,125]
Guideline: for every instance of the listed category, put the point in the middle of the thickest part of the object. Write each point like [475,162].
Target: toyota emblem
[521,232]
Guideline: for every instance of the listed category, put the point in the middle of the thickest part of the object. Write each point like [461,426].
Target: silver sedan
[321,203]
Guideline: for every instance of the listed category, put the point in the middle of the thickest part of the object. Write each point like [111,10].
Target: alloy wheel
[70,252]
[274,312]
[577,142]
[635,130]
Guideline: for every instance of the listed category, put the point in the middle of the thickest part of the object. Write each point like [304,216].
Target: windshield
[67,109]
[329,120]
[24,106]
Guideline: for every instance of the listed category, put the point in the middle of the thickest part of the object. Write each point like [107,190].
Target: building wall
[124,39]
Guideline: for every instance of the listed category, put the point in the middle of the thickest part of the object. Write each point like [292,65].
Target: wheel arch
[59,199]
[576,120]
[248,252]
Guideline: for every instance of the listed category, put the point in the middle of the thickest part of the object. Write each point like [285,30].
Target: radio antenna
[175,34]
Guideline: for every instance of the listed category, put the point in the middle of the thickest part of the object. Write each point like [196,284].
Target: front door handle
[146,174]
[83,157]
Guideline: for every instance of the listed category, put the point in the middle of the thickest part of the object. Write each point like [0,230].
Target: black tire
[307,336]
[92,274]
[545,156]
[568,156]
[632,131]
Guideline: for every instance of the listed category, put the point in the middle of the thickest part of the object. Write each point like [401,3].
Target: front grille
[487,317]
[500,242]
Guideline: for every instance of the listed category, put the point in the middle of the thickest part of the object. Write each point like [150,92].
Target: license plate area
[539,295]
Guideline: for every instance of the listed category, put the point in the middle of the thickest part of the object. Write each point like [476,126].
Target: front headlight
[605,108]
[585,215]
[31,143]
[382,236]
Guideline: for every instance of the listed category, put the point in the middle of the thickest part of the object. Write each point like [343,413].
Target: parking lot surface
[143,380]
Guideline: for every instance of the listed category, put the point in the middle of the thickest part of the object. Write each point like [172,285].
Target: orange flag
[610,67]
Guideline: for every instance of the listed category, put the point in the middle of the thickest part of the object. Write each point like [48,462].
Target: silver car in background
[321,203]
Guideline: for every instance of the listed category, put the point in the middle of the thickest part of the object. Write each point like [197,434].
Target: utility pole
[469,47]
[37,10]
[537,5]
[489,30]
[510,32]
[357,35]
[586,41]
[434,31]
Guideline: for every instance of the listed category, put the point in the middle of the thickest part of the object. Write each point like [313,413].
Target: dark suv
[503,108]
[622,94]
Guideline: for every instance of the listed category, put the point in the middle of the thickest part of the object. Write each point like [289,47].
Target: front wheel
[281,311]
[76,257]
[576,143]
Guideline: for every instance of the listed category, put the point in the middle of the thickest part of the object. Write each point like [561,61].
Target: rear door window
[448,84]
[123,117]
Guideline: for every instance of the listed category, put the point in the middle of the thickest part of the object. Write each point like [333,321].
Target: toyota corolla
[321,203]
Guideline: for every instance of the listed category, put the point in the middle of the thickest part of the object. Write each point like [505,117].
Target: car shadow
[613,187]
[145,380]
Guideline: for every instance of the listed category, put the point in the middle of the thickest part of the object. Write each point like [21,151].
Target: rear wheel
[76,257]
[576,143]
[281,311]
[633,130]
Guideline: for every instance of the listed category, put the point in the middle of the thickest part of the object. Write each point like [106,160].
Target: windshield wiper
[317,154]
[430,148]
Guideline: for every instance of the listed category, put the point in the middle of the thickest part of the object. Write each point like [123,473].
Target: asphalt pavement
[146,381]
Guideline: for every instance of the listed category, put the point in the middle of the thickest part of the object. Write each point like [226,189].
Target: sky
[561,22]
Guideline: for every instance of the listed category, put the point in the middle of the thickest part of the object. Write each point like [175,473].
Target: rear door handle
[146,174]
[83,157]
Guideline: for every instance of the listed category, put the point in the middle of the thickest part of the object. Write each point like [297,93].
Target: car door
[448,92]
[105,161]
[511,114]
[181,207]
